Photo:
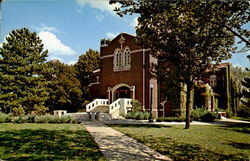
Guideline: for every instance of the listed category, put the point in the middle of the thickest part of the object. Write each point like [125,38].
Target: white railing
[114,108]
[95,103]
[117,108]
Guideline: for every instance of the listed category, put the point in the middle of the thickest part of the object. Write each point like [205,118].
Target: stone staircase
[117,108]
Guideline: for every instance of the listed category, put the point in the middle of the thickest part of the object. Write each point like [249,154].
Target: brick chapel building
[124,73]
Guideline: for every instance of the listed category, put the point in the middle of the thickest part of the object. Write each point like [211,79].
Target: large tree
[192,35]
[246,89]
[21,59]
[63,86]
[85,66]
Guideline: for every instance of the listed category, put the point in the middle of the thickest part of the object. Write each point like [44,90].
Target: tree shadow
[239,145]
[183,151]
[139,125]
[44,144]
[237,127]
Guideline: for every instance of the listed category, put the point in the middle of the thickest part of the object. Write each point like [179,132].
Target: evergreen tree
[86,64]
[63,86]
[21,59]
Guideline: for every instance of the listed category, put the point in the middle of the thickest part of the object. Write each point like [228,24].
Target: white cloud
[72,62]
[100,18]
[134,22]
[55,58]
[111,35]
[54,45]
[1,44]
[43,27]
[101,5]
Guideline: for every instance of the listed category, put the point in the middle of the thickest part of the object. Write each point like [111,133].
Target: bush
[136,106]
[229,113]
[170,119]
[137,115]
[244,111]
[18,111]
[40,110]
[209,117]
[197,113]
[4,117]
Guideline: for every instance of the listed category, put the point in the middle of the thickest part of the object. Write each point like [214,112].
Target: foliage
[170,119]
[36,119]
[189,34]
[40,110]
[244,111]
[137,115]
[201,142]
[197,113]
[4,117]
[47,142]
[55,119]
[246,89]
[229,113]
[136,106]
[17,111]
[209,116]
[22,58]
[63,86]
[86,64]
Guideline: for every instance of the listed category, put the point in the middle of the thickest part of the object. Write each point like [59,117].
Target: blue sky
[68,28]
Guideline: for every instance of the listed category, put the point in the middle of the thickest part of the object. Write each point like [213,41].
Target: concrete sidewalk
[118,147]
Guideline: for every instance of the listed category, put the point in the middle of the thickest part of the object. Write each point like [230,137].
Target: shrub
[229,113]
[209,116]
[244,111]
[140,116]
[137,115]
[146,115]
[40,110]
[18,111]
[4,117]
[159,119]
[170,119]
[136,106]
[18,119]
[197,113]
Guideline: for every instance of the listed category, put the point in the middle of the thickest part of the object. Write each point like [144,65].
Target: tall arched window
[127,56]
[122,59]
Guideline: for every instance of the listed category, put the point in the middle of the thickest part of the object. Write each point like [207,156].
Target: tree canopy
[192,35]
[85,66]
[22,58]
[63,87]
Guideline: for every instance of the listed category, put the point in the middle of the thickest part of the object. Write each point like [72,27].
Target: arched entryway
[122,92]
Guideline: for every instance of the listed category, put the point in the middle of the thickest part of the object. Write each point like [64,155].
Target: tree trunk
[188,105]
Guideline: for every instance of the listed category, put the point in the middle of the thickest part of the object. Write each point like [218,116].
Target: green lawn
[47,142]
[200,142]
[241,118]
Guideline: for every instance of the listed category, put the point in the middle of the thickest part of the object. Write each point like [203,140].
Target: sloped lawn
[200,142]
[47,142]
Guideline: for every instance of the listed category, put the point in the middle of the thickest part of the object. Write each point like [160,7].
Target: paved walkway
[119,147]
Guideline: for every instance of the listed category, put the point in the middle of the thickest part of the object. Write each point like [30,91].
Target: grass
[47,142]
[241,118]
[200,142]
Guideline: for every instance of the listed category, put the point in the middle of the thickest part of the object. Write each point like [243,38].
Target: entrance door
[122,92]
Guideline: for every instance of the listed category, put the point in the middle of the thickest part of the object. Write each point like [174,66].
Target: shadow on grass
[238,127]
[48,145]
[139,125]
[182,151]
[239,145]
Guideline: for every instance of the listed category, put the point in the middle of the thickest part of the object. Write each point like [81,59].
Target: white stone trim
[107,56]
[91,84]
[131,52]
